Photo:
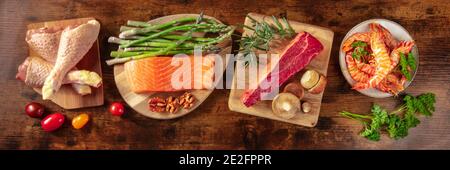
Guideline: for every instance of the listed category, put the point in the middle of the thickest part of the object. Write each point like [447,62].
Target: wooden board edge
[329,33]
[100,72]
[234,108]
[314,123]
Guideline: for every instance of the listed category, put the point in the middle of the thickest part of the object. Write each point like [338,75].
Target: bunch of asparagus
[140,39]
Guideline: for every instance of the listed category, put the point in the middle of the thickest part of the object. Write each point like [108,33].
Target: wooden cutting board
[320,64]
[139,102]
[66,97]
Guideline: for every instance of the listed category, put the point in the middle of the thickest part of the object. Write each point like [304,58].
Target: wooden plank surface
[319,63]
[213,126]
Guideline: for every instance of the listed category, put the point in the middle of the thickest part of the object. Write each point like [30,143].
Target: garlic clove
[306,107]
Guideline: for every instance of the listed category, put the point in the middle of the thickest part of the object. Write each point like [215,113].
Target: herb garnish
[394,123]
[263,34]
[359,50]
[407,63]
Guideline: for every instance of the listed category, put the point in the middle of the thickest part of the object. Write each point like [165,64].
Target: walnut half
[187,100]
[172,104]
[157,104]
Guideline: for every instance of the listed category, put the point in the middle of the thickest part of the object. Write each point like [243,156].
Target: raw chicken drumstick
[34,70]
[74,43]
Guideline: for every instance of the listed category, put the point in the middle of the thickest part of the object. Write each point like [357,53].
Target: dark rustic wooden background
[213,126]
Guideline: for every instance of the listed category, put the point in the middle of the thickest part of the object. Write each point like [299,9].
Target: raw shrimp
[403,47]
[359,71]
[368,68]
[354,71]
[390,41]
[393,83]
[347,46]
[381,59]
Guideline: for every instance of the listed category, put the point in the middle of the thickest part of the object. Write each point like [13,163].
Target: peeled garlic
[306,107]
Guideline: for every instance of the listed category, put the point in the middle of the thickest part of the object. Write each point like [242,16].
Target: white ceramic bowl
[397,31]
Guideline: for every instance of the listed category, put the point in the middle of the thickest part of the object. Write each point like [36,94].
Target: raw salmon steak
[167,74]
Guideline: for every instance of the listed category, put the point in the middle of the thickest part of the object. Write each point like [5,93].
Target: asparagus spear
[155,40]
[152,48]
[213,40]
[140,49]
[124,54]
[160,52]
[167,31]
[126,28]
[118,61]
[186,36]
[153,43]
[178,37]
[216,40]
[156,27]
[164,51]
[132,37]
[169,37]
[126,59]
[138,23]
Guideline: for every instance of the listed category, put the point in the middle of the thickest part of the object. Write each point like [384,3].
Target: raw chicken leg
[74,44]
[34,70]
[45,42]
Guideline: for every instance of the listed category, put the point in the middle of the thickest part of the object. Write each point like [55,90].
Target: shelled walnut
[187,100]
[157,104]
[172,104]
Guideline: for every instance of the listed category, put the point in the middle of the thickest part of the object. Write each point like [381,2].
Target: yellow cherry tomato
[79,121]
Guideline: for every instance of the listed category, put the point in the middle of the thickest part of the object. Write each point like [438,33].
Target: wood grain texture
[213,126]
[319,63]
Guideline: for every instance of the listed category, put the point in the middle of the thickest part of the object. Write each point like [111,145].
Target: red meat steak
[296,56]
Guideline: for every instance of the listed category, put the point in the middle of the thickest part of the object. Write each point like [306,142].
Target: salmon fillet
[167,74]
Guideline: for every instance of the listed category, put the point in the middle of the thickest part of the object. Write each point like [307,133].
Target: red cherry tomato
[34,109]
[116,109]
[52,122]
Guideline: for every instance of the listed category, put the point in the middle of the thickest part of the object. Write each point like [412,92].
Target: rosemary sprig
[263,34]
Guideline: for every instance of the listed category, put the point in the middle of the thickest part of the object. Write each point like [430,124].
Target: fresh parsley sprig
[407,63]
[395,123]
[359,50]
